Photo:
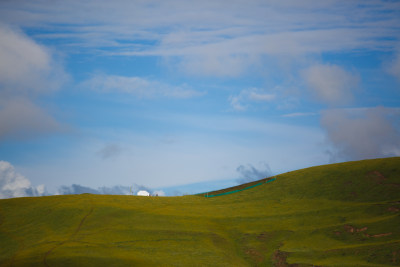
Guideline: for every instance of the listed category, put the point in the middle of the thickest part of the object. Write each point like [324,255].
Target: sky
[113,95]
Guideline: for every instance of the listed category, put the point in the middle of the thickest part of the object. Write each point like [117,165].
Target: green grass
[335,215]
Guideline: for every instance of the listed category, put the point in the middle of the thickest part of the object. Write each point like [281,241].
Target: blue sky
[168,93]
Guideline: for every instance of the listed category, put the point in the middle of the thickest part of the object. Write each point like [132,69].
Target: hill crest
[343,214]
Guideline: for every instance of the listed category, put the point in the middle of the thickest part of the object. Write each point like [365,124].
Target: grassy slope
[335,215]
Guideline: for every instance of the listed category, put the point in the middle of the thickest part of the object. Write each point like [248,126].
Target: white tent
[143,193]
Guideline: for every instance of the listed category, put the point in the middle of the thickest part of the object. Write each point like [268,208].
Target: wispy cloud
[299,114]
[205,40]
[244,99]
[138,87]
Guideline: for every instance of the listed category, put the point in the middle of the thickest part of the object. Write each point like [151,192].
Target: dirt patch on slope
[279,258]
[378,235]
[352,229]
[376,176]
[254,254]
[393,209]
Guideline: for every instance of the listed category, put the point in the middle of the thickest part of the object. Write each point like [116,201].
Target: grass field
[344,214]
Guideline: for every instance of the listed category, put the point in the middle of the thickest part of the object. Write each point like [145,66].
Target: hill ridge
[343,214]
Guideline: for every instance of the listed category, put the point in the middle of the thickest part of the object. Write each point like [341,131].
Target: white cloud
[243,100]
[331,84]
[362,133]
[13,184]
[137,86]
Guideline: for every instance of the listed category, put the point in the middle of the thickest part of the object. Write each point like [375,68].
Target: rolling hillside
[344,214]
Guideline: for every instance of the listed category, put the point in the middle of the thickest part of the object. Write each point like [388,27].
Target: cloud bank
[79,189]
[114,190]
[13,184]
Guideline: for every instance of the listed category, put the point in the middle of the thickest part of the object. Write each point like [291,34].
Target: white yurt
[143,193]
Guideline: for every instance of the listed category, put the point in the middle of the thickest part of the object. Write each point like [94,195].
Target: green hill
[335,215]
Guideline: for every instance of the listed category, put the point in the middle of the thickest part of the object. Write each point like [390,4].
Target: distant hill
[343,214]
